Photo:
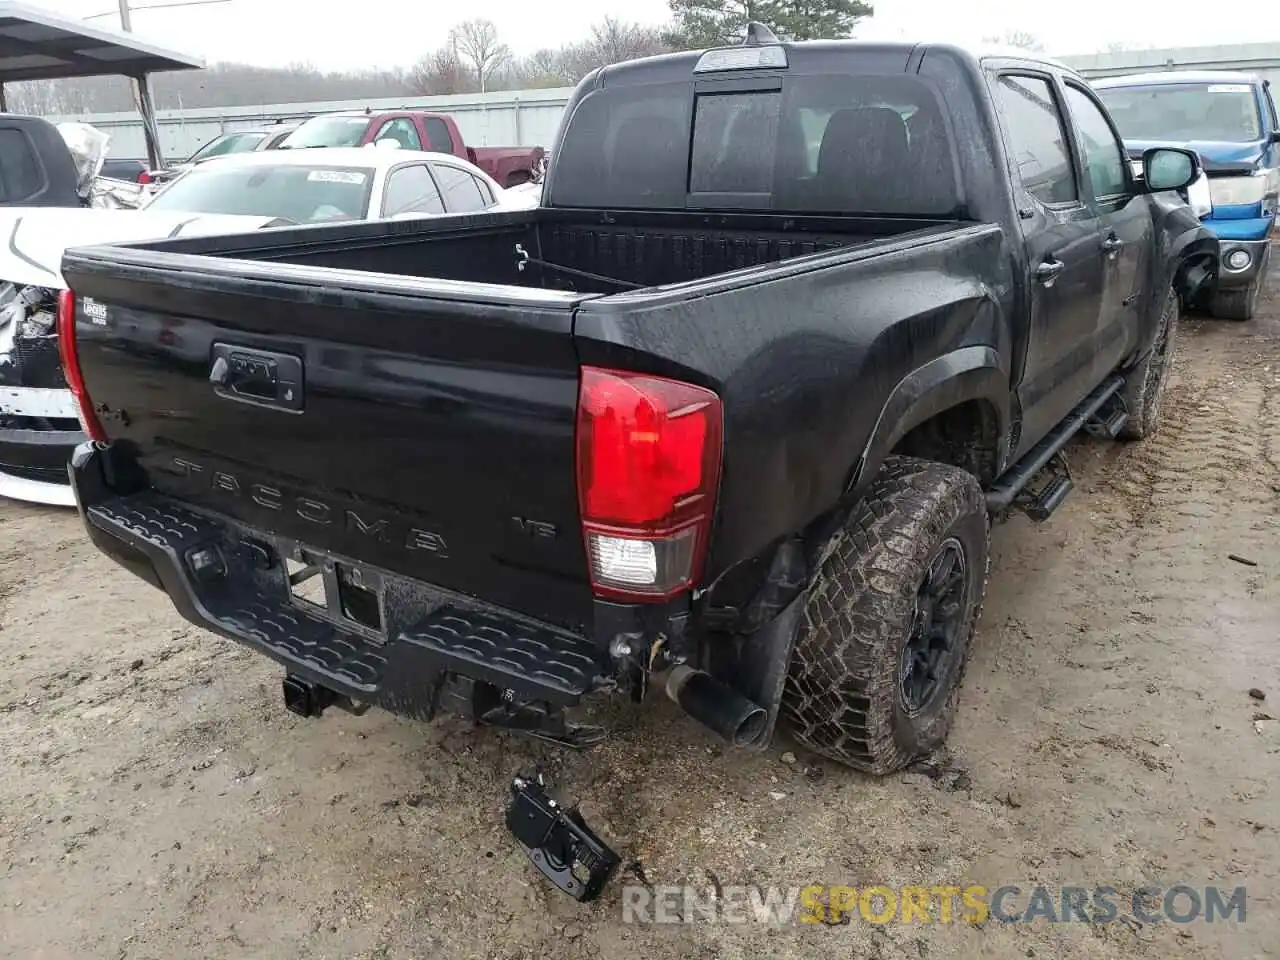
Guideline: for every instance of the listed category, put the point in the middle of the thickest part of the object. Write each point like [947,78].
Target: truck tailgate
[421,427]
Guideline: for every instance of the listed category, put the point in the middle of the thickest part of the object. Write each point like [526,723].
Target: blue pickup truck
[1230,120]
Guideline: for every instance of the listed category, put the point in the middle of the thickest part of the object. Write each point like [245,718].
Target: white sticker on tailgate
[95,311]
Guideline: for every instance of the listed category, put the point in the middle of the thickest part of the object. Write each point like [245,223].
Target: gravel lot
[157,801]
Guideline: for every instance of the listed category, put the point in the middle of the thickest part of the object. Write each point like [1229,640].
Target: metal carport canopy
[38,45]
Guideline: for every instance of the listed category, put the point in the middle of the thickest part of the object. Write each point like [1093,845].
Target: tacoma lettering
[322,514]
[377,530]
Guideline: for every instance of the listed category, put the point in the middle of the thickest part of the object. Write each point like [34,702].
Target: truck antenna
[758,34]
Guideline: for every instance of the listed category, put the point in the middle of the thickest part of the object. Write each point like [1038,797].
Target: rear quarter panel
[805,357]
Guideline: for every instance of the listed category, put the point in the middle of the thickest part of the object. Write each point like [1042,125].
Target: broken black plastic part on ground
[557,840]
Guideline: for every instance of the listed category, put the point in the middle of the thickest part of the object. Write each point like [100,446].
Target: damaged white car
[39,422]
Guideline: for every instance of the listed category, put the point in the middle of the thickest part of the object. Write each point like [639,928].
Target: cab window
[1103,153]
[1037,138]
[402,131]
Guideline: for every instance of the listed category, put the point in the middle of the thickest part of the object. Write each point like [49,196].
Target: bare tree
[440,72]
[551,68]
[448,70]
[614,40]
[1124,46]
[1017,38]
[477,43]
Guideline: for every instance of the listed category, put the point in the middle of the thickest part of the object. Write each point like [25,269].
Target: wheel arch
[1192,264]
[964,390]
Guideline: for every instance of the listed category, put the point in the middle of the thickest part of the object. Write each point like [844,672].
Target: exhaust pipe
[717,705]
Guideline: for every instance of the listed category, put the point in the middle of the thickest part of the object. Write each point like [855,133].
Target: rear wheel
[1144,386]
[1236,303]
[887,626]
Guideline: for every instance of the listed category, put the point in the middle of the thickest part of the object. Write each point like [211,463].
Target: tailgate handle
[261,377]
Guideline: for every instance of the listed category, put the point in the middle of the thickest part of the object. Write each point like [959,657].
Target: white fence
[522,118]
[1262,59]
[529,118]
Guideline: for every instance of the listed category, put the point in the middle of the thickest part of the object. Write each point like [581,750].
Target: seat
[934,173]
[865,163]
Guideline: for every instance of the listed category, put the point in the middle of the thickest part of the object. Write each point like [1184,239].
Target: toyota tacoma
[730,412]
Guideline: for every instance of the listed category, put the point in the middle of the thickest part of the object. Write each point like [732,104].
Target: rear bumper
[430,638]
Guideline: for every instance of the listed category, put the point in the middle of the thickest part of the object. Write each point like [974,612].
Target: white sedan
[330,185]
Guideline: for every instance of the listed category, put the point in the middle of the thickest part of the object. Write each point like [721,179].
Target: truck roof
[675,66]
[1163,77]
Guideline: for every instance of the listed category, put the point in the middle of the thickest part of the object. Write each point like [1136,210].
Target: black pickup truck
[36,168]
[733,408]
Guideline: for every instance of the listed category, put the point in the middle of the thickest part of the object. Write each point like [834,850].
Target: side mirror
[1168,168]
[386,143]
[1275,136]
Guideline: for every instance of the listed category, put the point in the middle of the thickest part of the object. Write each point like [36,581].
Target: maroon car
[417,130]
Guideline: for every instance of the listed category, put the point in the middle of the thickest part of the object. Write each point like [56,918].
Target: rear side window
[438,138]
[1036,138]
[461,190]
[822,144]
[21,175]
[411,190]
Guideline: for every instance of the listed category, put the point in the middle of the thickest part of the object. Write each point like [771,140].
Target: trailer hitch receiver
[558,841]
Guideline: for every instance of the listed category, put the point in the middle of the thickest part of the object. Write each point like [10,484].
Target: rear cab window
[809,143]
[21,174]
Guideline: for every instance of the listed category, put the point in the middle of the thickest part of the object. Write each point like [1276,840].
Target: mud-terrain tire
[1144,386]
[1238,303]
[848,696]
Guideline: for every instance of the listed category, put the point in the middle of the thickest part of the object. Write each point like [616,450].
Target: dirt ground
[156,800]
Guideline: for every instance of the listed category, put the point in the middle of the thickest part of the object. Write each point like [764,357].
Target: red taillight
[71,366]
[144,177]
[648,469]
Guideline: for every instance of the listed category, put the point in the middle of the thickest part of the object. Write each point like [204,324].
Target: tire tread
[843,675]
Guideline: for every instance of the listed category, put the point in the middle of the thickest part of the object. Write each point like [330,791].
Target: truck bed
[433,433]
[639,250]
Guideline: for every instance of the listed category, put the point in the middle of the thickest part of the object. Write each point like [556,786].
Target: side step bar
[1014,480]
[1107,424]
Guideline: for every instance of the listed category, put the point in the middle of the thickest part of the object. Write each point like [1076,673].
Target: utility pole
[142,94]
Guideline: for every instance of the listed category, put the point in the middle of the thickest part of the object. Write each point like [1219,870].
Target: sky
[370,33]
